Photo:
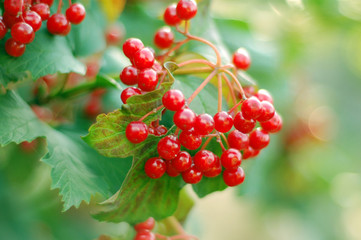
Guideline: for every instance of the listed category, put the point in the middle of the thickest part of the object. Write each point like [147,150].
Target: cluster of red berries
[25,17]
[142,72]
[196,127]
[144,229]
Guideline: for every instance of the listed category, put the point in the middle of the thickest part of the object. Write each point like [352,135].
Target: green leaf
[48,54]
[107,135]
[77,170]
[141,197]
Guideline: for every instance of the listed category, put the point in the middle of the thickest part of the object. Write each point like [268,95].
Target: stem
[231,89]
[236,81]
[204,83]
[160,236]
[201,61]
[162,79]
[192,70]
[149,113]
[219,58]
[177,46]
[186,27]
[219,140]
[59,6]
[173,222]
[219,92]
[207,142]
[225,139]
[70,3]
[235,106]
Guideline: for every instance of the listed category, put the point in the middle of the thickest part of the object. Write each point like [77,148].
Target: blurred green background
[306,185]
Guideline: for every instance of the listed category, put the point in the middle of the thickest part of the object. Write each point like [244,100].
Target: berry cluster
[241,133]
[144,229]
[25,17]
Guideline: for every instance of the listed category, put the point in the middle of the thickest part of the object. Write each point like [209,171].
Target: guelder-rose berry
[223,122]
[10,20]
[3,29]
[144,58]
[75,13]
[155,167]
[42,9]
[190,139]
[186,9]
[22,33]
[160,130]
[147,225]
[58,24]
[129,75]
[48,2]
[164,38]
[173,100]
[264,95]
[233,177]
[204,124]
[182,161]
[13,7]
[13,48]
[273,125]
[184,118]
[204,160]
[114,34]
[192,175]
[243,125]
[241,59]
[249,153]
[147,79]
[251,108]
[129,92]
[259,139]
[231,158]
[136,132]
[168,147]
[145,235]
[268,111]
[215,170]
[171,171]
[170,15]
[33,19]
[131,46]
[238,140]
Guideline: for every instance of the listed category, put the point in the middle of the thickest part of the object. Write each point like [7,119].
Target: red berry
[238,140]
[75,13]
[173,100]
[251,108]
[14,48]
[243,125]
[171,171]
[145,235]
[128,92]
[33,19]
[268,111]
[204,160]
[129,75]
[264,95]
[250,153]
[92,67]
[146,225]
[164,38]
[192,175]
[241,59]
[42,9]
[190,139]
[184,118]
[58,24]
[186,9]
[233,177]
[3,29]
[155,167]
[182,162]
[10,20]
[231,158]
[144,58]
[168,147]
[160,130]
[147,79]
[273,125]
[258,139]
[136,132]
[131,46]
[48,2]
[215,170]
[170,15]
[22,33]
[204,124]
[249,91]
[223,122]
[13,7]
[114,34]
[93,107]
